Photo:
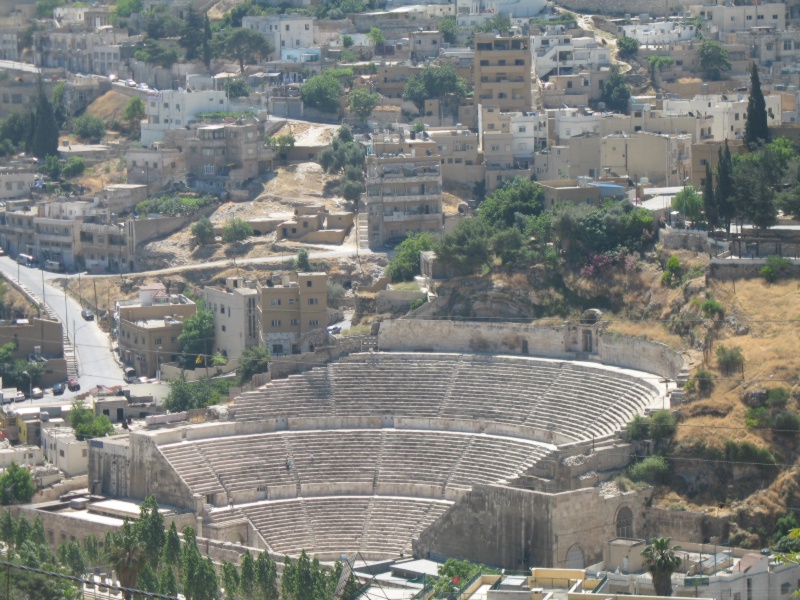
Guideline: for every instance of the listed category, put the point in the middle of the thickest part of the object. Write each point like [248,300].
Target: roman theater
[486,441]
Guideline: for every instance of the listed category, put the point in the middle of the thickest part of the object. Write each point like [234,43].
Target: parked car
[58,389]
[87,315]
[334,329]
[20,397]
[37,393]
[130,375]
[131,83]
[73,385]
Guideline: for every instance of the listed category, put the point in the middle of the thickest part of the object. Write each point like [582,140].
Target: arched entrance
[624,522]
[575,559]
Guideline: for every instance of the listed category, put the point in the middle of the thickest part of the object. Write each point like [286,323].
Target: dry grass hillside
[108,107]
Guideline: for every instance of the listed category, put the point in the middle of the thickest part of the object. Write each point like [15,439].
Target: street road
[96,364]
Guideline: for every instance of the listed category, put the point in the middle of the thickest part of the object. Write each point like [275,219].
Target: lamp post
[30,385]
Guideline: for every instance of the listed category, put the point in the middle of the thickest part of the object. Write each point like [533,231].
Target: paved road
[96,364]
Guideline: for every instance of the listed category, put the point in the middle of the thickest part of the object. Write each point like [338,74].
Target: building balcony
[411,198]
[434,178]
[395,217]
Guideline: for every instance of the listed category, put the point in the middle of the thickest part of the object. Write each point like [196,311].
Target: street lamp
[30,385]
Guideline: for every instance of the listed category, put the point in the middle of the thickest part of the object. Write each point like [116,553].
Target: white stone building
[561,54]
[174,109]
[235,310]
[61,448]
[725,115]
[283,31]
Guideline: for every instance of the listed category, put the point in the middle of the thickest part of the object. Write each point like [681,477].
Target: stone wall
[396,300]
[548,341]
[743,268]
[521,528]
[683,525]
[621,7]
[687,239]
[283,366]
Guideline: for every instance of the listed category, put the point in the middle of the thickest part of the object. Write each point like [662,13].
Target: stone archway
[624,522]
[575,558]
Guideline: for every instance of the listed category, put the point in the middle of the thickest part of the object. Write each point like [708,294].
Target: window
[276,322]
[313,301]
[307,26]
[276,302]
[158,341]
[277,349]
[222,309]
[314,323]
[61,453]
[84,453]
[224,328]
[522,129]
[295,322]
[308,283]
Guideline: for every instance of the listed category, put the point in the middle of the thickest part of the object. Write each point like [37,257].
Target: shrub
[638,428]
[705,381]
[652,470]
[74,167]
[729,359]
[89,129]
[777,398]
[662,425]
[406,262]
[786,421]
[775,267]
[336,293]
[302,263]
[757,418]
[203,230]
[672,274]
[236,230]
[417,303]
[712,309]
[747,453]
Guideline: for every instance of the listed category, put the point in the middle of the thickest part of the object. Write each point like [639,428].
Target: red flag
[454,580]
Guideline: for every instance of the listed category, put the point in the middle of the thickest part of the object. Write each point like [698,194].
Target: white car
[130,83]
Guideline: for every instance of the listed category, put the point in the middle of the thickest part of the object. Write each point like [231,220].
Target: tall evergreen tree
[171,555]
[248,578]
[207,49]
[756,130]
[150,529]
[710,199]
[267,577]
[45,133]
[725,192]
[193,36]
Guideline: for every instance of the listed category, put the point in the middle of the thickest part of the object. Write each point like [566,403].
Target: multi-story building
[235,310]
[724,18]
[664,160]
[290,309]
[154,168]
[149,328]
[502,71]
[658,33]
[221,157]
[461,157]
[425,45]
[16,183]
[574,90]
[9,49]
[62,448]
[174,109]
[508,141]
[283,31]
[404,190]
[724,115]
[561,54]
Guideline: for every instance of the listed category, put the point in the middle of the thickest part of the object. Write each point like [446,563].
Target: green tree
[406,262]
[710,207]
[362,102]
[51,167]
[714,59]
[449,30]
[126,8]
[230,580]
[126,556]
[440,82]
[74,167]
[85,424]
[248,579]
[375,36]
[237,88]
[465,249]
[302,263]
[45,133]
[236,230]
[323,93]
[208,49]
[658,64]
[203,230]
[725,191]
[60,111]
[756,129]
[452,575]
[167,584]
[616,92]
[252,361]
[37,535]
[661,562]
[347,41]
[689,203]
[8,527]
[243,46]
[628,47]
[154,52]
[754,197]
[171,553]
[196,337]
[150,530]
[516,196]
[282,145]
[267,578]
[16,485]
[133,115]
[193,35]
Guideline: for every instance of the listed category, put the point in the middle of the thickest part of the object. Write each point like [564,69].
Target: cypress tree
[725,196]
[45,133]
[756,130]
[207,41]
[710,199]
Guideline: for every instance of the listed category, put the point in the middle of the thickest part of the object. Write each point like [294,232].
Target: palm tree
[661,562]
[127,557]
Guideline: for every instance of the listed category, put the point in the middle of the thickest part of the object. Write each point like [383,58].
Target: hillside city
[385,300]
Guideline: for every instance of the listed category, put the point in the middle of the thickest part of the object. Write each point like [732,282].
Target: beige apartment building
[461,158]
[404,190]
[290,309]
[664,160]
[149,328]
[235,310]
[503,71]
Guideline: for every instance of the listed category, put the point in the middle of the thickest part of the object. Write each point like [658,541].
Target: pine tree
[45,133]
[756,130]
[266,577]
[8,527]
[207,42]
[725,195]
[167,584]
[248,579]
[710,199]
[171,554]
[230,580]
[150,529]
